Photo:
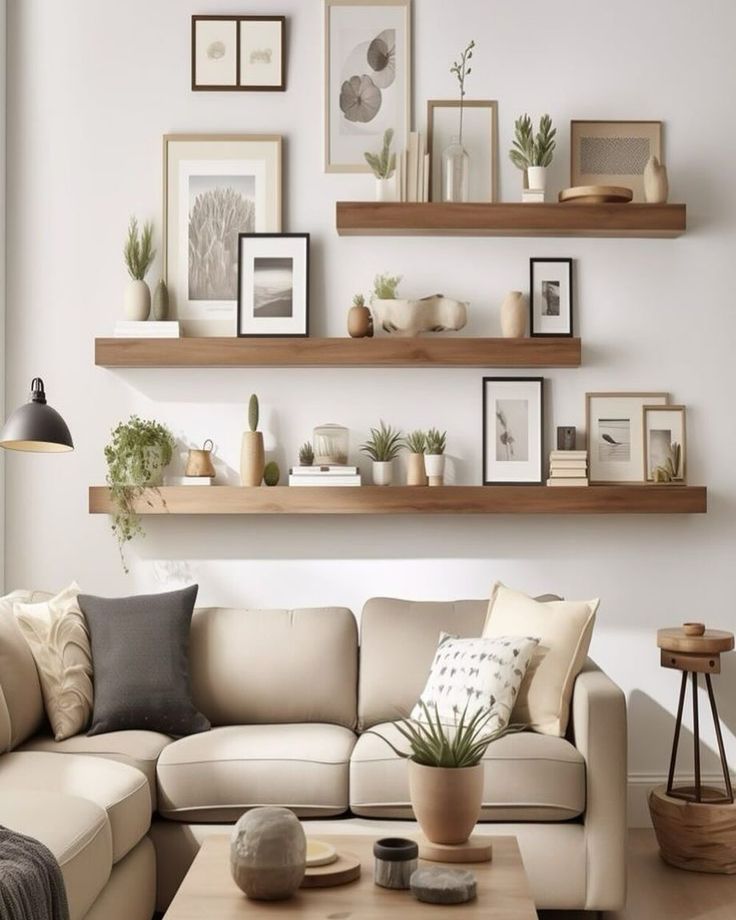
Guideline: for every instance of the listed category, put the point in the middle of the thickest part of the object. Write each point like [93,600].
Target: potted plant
[416,473]
[455,158]
[383,448]
[252,454]
[136,457]
[383,165]
[360,321]
[533,154]
[306,454]
[138,253]
[434,456]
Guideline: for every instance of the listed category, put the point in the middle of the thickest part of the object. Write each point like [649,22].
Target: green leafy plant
[436,441]
[138,251]
[383,164]
[669,471]
[358,300]
[383,445]
[384,286]
[415,442]
[530,150]
[253,412]
[306,454]
[461,70]
[138,450]
[271,473]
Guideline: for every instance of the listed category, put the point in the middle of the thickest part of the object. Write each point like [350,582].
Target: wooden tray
[475,849]
[596,194]
[346,868]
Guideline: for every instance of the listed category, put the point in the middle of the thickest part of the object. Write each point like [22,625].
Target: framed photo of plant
[615,429]
[550,297]
[513,417]
[665,444]
[479,138]
[273,284]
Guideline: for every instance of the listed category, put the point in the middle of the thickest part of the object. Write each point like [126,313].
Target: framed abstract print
[238,53]
[613,152]
[550,297]
[513,414]
[273,284]
[615,429]
[665,444]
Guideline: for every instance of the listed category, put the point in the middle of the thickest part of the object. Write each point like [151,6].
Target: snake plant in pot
[383,448]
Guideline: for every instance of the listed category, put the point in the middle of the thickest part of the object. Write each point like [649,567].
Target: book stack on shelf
[568,468]
[324,476]
[413,170]
[191,481]
[147,329]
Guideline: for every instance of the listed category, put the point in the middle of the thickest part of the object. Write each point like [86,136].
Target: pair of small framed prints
[238,53]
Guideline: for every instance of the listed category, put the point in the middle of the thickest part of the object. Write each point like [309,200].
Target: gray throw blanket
[31,886]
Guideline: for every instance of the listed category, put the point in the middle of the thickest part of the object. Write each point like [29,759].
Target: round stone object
[268,853]
[443,886]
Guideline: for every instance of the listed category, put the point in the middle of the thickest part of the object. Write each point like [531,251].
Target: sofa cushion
[18,676]
[76,831]
[119,790]
[528,777]
[261,666]
[218,775]
[135,748]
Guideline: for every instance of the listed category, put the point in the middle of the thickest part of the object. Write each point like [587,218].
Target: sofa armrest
[599,730]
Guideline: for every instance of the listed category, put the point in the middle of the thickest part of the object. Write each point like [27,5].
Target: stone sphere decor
[268,853]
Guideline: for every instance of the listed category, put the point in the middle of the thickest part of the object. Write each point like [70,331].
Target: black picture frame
[523,482]
[273,335]
[536,332]
[237,87]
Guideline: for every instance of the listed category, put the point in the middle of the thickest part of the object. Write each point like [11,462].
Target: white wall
[93,86]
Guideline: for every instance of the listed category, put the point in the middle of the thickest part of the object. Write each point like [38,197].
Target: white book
[568,454]
[397,178]
[566,474]
[325,482]
[421,150]
[324,471]
[148,329]
[411,178]
[191,480]
[404,173]
[567,482]
[532,196]
[425,190]
[568,464]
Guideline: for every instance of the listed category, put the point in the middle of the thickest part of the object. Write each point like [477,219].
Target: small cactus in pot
[252,454]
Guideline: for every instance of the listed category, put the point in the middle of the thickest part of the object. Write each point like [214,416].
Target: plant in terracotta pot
[416,473]
[434,456]
[252,454]
[360,320]
[533,153]
[383,447]
[138,253]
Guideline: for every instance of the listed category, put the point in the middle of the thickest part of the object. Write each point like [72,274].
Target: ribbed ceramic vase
[656,184]
[513,315]
[446,801]
[252,458]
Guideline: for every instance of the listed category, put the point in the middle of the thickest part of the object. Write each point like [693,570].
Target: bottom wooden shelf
[625,499]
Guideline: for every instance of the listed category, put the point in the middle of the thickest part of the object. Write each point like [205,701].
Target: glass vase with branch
[455,158]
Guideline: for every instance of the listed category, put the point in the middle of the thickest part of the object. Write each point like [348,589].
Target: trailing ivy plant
[137,451]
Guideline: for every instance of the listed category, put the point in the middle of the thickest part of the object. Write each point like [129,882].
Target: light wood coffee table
[209,893]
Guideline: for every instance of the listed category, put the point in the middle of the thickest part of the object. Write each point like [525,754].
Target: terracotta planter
[446,801]
[252,459]
[360,322]
[416,474]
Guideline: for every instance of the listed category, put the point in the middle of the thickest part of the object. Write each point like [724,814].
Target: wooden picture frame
[543,324]
[505,396]
[470,108]
[284,259]
[620,145]
[229,47]
[614,433]
[653,456]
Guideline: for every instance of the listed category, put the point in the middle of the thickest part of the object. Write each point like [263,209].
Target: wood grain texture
[346,868]
[696,836]
[713,641]
[370,218]
[388,351]
[477,848]
[411,500]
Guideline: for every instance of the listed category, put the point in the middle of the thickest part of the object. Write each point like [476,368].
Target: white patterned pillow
[468,675]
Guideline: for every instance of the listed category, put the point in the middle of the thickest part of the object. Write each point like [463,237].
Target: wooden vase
[416,474]
[360,322]
[446,801]
[252,459]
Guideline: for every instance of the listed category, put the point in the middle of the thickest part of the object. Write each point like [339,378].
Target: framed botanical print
[665,443]
[215,187]
[550,297]
[513,415]
[613,152]
[238,53]
[367,79]
[615,428]
[479,137]
[273,284]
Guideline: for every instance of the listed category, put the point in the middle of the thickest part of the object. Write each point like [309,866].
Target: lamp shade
[36,426]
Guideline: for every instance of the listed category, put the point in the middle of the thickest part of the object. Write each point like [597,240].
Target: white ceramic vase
[383,472]
[137,301]
[537,177]
[513,315]
[656,184]
[386,189]
[435,466]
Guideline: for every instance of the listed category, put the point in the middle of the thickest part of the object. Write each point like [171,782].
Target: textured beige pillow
[57,635]
[564,629]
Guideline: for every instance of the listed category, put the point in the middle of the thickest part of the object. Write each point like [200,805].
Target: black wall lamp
[36,426]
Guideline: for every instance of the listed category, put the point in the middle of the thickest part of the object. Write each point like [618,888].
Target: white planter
[383,472]
[435,466]
[386,189]
[537,177]
[137,301]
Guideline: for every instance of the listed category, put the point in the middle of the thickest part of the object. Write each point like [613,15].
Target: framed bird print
[615,427]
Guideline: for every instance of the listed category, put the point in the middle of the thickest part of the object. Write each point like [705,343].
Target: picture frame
[273,285]
[550,297]
[480,139]
[363,97]
[663,427]
[513,430]
[614,424]
[613,152]
[238,53]
[206,174]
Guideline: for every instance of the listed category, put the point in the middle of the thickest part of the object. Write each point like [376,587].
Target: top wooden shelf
[370,218]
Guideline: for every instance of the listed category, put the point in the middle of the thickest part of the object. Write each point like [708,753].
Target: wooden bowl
[596,194]
[693,629]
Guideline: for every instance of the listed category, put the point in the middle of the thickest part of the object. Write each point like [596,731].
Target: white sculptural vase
[137,301]
[656,184]
[435,465]
[513,315]
[386,189]
[412,317]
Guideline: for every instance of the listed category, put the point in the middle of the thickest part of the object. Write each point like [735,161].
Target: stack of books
[568,468]
[147,329]
[413,169]
[324,476]
[190,481]
[533,196]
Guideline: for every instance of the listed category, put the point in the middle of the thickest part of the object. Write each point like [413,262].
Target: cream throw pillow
[57,635]
[564,629]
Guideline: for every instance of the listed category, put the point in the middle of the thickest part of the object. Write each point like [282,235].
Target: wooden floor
[659,892]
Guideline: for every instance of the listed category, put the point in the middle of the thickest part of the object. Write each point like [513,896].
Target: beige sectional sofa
[293,699]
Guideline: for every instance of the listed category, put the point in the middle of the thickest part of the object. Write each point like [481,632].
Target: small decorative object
[136,457]
[656,186]
[613,152]
[665,443]
[533,154]
[434,459]
[550,297]
[395,861]
[331,445]
[320,853]
[271,473]
[615,430]
[360,319]
[273,297]
[252,454]
[566,437]
[268,851]
[161,302]
[410,318]
[443,886]
[306,454]
[693,629]
[138,253]
[238,53]
[199,461]
[344,869]
[383,165]
[512,430]
[476,849]
[385,287]
[596,194]
[513,315]
[480,142]
[383,448]
[455,158]
[416,473]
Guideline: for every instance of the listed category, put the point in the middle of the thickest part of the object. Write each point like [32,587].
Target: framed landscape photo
[273,284]
[615,430]
[550,297]
[512,430]
[215,187]
[613,152]
[238,53]
[480,139]
[665,441]
[367,79]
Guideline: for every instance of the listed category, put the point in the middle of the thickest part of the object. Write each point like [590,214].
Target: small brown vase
[446,801]
[252,459]
[416,474]
[360,322]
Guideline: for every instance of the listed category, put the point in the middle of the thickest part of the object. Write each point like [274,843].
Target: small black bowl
[395,849]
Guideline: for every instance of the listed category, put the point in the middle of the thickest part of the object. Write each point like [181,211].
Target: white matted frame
[513,426]
[273,284]
[360,103]
[613,152]
[480,139]
[550,297]
[615,431]
[664,426]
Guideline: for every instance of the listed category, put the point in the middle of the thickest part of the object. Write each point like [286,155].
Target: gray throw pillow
[140,658]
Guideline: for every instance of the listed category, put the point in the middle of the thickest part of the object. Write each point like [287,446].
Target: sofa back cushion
[4,724]
[21,690]
[275,666]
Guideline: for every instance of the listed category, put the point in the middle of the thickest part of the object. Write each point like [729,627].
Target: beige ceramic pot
[252,458]
[513,315]
[446,801]
[416,474]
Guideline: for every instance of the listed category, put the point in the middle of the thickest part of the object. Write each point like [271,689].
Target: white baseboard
[641,783]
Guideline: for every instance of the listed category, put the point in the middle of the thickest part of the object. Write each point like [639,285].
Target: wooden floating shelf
[382,351]
[636,499]
[370,218]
